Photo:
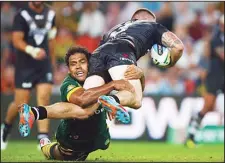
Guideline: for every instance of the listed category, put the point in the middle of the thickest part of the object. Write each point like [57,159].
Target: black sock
[40,112]
[116,98]
[42,135]
[6,130]
[200,115]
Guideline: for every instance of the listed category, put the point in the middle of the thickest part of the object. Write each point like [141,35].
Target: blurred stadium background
[170,94]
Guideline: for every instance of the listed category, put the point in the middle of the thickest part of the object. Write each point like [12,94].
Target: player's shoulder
[69,81]
[50,10]
[20,11]
[23,13]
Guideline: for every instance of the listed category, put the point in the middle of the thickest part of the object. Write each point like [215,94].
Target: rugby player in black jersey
[33,32]
[123,45]
[214,82]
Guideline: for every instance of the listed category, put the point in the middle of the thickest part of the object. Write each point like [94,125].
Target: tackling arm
[90,96]
[64,110]
[170,40]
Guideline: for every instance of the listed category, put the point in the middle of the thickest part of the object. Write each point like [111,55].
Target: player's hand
[41,54]
[133,72]
[122,84]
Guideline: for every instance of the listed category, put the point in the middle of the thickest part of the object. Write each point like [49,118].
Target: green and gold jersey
[81,134]
[68,86]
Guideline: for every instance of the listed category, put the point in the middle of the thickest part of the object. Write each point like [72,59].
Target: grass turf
[136,151]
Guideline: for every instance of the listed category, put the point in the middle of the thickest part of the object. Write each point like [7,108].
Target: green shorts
[86,144]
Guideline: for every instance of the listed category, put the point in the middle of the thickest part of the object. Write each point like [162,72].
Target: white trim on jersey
[50,17]
[29,19]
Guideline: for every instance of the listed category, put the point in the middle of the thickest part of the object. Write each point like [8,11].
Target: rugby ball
[160,55]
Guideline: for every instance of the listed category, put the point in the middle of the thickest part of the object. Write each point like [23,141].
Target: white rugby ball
[160,55]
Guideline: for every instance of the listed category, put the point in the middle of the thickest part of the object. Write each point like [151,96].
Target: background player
[34,30]
[123,45]
[77,138]
[214,82]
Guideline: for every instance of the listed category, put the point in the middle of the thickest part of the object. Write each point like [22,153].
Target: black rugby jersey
[141,34]
[35,27]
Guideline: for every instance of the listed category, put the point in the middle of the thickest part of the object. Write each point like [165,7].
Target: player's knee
[137,105]
[48,150]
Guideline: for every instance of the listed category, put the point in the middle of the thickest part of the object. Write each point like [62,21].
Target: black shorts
[110,55]
[215,83]
[28,78]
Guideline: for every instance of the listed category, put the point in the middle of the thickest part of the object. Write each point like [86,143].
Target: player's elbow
[83,103]
[15,42]
[78,101]
[180,49]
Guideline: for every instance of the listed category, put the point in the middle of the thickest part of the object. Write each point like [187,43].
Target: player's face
[78,66]
[37,4]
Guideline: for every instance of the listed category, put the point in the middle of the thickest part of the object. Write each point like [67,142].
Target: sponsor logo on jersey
[39,17]
[70,87]
[98,111]
[27,85]
[49,76]
[127,59]
[125,55]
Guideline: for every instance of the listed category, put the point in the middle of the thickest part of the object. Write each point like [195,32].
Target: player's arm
[171,41]
[64,110]
[20,44]
[84,98]
[20,28]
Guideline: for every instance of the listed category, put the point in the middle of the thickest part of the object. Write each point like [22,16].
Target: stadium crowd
[83,23]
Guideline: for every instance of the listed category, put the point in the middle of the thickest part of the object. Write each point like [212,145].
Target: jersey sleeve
[19,24]
[160,29]
[67,88]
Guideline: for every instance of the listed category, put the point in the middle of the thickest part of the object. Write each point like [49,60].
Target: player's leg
[115,109]
[56,151]
[20,96]
[60,110]
[124,98]
[44,91]
[127,98]
[118,56]
[98,75]
[93,81]
[209,102]
[50,150]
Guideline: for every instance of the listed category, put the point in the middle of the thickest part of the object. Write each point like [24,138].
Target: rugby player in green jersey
[83,128]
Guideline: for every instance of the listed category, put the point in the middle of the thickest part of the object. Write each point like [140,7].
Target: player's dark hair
[76,49]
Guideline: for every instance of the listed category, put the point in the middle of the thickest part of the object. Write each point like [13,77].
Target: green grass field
[119,151]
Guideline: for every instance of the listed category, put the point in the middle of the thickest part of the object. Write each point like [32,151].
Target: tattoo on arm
[170,40]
